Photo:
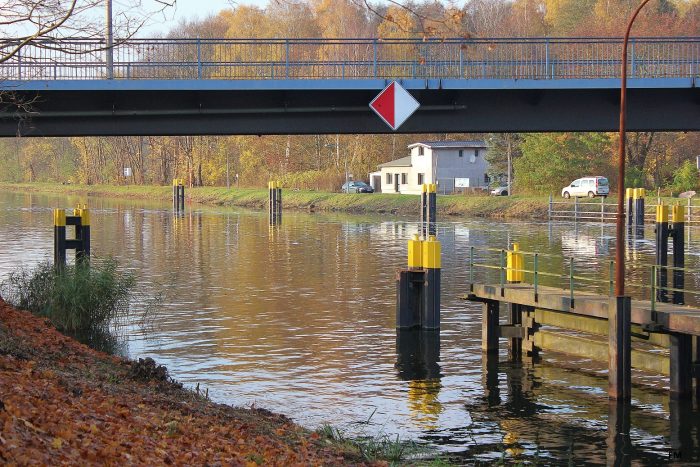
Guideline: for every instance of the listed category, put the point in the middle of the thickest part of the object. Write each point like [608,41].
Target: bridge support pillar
[619,349]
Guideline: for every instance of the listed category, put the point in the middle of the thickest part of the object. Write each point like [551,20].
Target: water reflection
[417,357]
[300,318]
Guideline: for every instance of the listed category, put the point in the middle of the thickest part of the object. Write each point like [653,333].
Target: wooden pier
[662,333]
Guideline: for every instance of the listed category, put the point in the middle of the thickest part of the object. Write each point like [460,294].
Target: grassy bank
[515,207]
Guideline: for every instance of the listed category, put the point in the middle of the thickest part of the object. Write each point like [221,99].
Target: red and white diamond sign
[394,105]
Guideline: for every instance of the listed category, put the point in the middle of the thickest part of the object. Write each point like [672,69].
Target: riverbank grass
[77,299]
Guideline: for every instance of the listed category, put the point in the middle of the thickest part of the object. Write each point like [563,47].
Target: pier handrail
[573,279]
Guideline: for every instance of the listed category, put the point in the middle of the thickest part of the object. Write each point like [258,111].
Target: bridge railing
[497,58]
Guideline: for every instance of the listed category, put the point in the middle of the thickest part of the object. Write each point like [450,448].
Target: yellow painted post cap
[431,253]
[415,252]
[85,217]
[661,213]
[424,188]
[515,264]
[678,214]
[433,187]
[59,217]
[628,193]
[642,192]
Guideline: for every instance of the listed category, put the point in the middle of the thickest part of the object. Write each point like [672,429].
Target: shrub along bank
[513,207]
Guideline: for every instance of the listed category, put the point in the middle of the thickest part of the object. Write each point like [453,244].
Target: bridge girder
[110,108]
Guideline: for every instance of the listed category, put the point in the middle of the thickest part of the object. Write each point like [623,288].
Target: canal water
[299,319]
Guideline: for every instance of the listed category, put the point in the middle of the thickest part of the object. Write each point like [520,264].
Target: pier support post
[681,382]
[515,274]
[619,349]
[275,201]
[678,235]
[662,253]
[489,327]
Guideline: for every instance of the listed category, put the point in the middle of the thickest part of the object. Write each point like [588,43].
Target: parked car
[356,187]
[588,186]
[500,191]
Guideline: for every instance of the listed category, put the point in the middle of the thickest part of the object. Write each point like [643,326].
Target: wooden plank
[674,318]
[597,350]
[511,331]
[596,326]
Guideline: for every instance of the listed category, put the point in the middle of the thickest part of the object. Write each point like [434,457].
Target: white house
[447,163]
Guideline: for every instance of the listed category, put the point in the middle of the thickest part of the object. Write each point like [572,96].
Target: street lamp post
[620,221]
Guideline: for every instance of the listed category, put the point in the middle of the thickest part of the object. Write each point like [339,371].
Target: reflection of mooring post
[179,194]
[275,201]
[661,253]
[678,235]
[515,273]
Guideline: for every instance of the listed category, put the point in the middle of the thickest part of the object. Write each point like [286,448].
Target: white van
[589,186]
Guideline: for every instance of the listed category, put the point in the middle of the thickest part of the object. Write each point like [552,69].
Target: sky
[193,9]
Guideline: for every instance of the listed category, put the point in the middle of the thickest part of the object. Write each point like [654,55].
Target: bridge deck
[671,318]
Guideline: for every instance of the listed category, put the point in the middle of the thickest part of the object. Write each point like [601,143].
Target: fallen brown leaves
[64,403]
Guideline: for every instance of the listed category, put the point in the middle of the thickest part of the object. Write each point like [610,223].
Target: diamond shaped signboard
[394,105]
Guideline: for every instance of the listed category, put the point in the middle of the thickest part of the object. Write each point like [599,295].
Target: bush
[78,299]
[685,178]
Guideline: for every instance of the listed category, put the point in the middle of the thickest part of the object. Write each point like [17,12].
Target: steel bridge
[310,86]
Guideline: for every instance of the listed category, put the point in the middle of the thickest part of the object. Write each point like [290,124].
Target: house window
[487,179]
[403,178]
[461,153]
[388,179]
[420,150]
[420,178]
[476,153]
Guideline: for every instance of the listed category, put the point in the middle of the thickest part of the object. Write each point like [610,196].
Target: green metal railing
[568,275]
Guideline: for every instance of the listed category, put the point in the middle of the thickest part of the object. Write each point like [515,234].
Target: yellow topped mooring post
[59,238]
[515,265]
[678,235]
[82,233]
[639,194]
[424,211]
[415,253]
[275,201]
[430,312]
[630,205]
[179,194]
[661,252]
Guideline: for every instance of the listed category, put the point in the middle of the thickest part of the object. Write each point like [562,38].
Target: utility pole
[510,164]
[337,155]
[109,39]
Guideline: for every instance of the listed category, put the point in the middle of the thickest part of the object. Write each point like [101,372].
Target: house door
[396,182]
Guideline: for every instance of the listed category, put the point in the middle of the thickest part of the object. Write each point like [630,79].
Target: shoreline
[493,207]
[63,402]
